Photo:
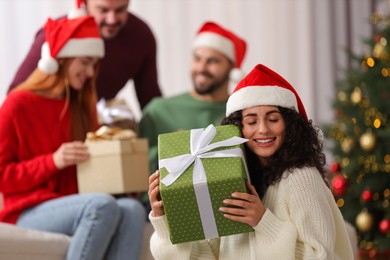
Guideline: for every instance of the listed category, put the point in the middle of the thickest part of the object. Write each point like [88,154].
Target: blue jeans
[101,227]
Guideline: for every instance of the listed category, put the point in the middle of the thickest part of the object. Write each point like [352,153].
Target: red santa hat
[215,36]
[69,38]
[262,86]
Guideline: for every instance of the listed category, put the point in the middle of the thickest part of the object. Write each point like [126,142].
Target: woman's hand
[70,153]
[248,208]
[154,195]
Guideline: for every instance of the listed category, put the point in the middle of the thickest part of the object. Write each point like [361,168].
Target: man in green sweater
[217,57]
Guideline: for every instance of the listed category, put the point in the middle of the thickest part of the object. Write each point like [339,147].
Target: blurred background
[303,40]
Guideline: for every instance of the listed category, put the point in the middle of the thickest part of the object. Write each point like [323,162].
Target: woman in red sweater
[42,125]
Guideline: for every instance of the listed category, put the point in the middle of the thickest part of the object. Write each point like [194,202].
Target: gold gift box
[115,166]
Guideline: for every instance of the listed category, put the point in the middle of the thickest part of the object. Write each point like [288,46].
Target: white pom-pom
[48,65]
[76,13]
[236,75]
[320,134]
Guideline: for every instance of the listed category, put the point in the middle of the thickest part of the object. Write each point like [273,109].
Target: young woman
[289,205]
[42,125]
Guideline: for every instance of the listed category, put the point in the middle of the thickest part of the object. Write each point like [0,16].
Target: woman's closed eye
[249,121]
[273,120]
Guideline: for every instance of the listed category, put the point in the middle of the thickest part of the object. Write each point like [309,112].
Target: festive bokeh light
[371,62]
[377,123]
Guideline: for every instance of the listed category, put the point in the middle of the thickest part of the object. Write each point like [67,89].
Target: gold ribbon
[105,133]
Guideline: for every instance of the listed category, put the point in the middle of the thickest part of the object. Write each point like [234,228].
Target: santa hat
[214,36]
[262,86]
[69,38]
[78,11]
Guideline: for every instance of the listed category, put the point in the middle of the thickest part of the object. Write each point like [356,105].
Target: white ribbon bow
[108,113]
[201,148]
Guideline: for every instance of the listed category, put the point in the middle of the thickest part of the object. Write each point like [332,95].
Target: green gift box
[199,168]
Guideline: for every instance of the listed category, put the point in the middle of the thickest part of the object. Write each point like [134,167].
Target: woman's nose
[90,71]
[263,128]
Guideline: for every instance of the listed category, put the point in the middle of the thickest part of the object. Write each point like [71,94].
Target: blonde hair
[82,103]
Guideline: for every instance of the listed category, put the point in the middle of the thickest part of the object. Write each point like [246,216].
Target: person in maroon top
[130,52]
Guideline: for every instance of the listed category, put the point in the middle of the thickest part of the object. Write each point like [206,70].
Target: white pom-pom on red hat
[236,75]
[75,13]
[48,65]
[78,11]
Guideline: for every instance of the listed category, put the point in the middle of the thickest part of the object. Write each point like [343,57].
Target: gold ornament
[378,50]
[356,95]
[385,72]
[367,141]
[364,221]
[342,96]
[346,144]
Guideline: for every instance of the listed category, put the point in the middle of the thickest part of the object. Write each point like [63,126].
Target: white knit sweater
[301,221]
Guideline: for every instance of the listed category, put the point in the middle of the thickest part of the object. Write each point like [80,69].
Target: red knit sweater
[31,130]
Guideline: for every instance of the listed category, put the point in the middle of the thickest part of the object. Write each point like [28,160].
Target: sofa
[17,243]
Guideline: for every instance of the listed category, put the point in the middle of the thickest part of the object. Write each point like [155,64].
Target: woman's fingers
[251,189]
[244,207]
[154,195]
[70,154]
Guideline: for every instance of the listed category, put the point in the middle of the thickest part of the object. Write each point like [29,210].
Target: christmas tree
[360,138]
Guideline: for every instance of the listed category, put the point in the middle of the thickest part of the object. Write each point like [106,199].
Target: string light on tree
[339,185]
[384,226]
[334,167]
[346,145]
[367,195]
[367,140]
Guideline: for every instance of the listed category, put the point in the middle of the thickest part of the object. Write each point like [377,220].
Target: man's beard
[117,27]
[214,86]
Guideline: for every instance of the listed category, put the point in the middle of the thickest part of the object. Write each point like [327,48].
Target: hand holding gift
[243,207]
[154,195]
[70,153]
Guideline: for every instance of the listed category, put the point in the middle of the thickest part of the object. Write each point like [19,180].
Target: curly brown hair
[301,148]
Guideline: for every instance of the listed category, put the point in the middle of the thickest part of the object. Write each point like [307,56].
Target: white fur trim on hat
[215,41]
[251,96]
[93,47]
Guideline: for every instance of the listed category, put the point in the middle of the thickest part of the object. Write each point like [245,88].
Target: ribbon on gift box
[110,133]
[109,114]
[201,147]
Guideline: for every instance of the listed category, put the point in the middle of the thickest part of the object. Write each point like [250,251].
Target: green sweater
[181,112]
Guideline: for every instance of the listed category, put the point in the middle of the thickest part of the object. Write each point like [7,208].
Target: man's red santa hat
[215,36]
[263,86]
[77,37]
